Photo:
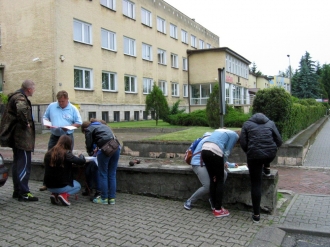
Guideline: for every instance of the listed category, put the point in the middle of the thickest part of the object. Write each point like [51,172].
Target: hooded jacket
[260,138]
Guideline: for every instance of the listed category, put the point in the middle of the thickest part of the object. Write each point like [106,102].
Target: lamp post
[289,73]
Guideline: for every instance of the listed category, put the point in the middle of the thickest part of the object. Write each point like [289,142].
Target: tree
[325,79]
[254,68]
[156,102]
[213,108]
[305,83]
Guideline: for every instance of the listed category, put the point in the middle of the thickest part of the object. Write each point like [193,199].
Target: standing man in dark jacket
[260,140]
[18,132]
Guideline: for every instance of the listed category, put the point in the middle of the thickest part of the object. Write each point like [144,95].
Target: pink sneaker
[220,213]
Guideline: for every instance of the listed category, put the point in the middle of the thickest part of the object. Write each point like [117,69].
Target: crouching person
[58,171]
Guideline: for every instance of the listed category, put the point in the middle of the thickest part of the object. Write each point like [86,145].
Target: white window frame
[184,36]
[83,32]
[185,90]
[161,54]
[175,89]
[147,85]
[201,44]
[161,25]
[129,46]
[129,9]
[111,85]
[174,61]
[208,46]
[146,52]
[163,86]
[146,17]
[193,40]
[184,63]
[83,82]
[110,37]
[111,4]
[132,86]
[173,31]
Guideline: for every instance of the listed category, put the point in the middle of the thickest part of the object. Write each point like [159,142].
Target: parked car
[3,171]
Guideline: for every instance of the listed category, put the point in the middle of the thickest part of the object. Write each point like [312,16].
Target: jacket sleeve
[277,136]
[74,159]
[22,111]
[232,139]
[89,141]
[243,139]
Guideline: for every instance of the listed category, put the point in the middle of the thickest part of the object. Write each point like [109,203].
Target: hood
[259,118]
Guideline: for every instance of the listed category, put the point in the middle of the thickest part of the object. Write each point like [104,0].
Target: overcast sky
[266,31]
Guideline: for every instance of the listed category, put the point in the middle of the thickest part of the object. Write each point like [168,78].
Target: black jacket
[58,176]
[260,138]
[97,133]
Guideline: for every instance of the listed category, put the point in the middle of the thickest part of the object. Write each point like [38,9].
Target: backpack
[190,151]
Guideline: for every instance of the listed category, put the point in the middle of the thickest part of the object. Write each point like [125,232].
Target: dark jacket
[97,133]
[260,138]
[58,176]
[14,130]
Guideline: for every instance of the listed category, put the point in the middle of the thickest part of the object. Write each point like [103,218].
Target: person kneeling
[58,171]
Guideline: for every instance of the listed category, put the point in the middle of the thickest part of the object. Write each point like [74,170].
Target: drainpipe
[188,55]
[221,76]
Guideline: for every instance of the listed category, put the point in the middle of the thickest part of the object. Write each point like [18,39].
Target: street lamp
[289,73]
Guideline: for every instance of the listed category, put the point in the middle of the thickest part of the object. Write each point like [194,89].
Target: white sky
[266,31]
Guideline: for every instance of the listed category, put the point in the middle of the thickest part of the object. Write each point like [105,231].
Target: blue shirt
[62,117]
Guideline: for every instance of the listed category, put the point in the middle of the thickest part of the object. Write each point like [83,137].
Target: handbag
[110,147]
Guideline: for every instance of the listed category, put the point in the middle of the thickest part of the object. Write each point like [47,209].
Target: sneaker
[96,195]
[255,218]
[211,203]
[187,205]
[266,172]
[54,199]
[43,188]
[99,200]
[15,194]
[220,213]
[27,197]
[112,201]
[64,199]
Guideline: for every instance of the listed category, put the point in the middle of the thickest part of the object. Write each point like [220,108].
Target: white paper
[49,124]
[238,169]
[91,158]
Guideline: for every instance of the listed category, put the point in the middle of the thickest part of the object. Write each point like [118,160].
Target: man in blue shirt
[61,113]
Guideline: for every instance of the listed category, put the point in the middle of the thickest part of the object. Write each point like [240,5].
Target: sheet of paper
[91,158]
[238,169]
[49,124]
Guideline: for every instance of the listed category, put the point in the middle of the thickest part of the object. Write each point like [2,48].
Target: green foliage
[196,118]
[213,108]
[325,79]
[235,117]
[3,98]
[156,102]
[175,108]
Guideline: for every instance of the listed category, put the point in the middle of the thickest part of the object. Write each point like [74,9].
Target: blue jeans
[67,189]
[107,174]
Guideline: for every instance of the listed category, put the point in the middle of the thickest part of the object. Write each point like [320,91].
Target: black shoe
[27,197]
[266,172]
[255,218]
[97,193]
[15,194]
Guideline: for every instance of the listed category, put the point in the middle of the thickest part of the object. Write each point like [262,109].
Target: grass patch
[279,196]
[143,124]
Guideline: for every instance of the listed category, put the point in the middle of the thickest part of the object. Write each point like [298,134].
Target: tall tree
[305,83]
[156,102]
[325,79]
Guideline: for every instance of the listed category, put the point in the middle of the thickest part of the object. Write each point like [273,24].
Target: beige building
[281,81]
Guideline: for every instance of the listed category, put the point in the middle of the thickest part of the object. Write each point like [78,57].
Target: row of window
[146,19]
[83,79]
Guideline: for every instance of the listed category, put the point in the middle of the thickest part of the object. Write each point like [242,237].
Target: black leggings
[215,167]
[255,170]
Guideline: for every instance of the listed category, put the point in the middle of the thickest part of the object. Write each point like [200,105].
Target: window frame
[115,84]
[174,61]
[201,44]
[147,85]
[129,9]
[175,91]
[161,25]
[193,41]
[163,86]
[84,78]
[131,84]
[173,31]
[114,41]
[184,36]
[161,54]
[108,4]
[185,90]
[147,50]
[184,63]
[131,49]
[146,17]
[82,32]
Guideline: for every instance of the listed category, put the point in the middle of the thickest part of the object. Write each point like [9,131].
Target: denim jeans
[107,174]
[67,189]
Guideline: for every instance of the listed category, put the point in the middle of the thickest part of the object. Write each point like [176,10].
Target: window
[109,81]
[184,63]
[116,116]
[127,115]
[91,115]
[174,60]
[111,4]
[145,115]
[185,90]
[200,93]
[201,44]
[83,78]
[108,40]
[136,115]
[82,32]
[175,89]
[129,46]
[208,46]
[173,31]
[147,85]
[193,41]
[161,25]
[130,84]
[105,116]
[129,9]
[163,86]
[184,36]
[1,79]
[161,56]
[146,52]
[146,17]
